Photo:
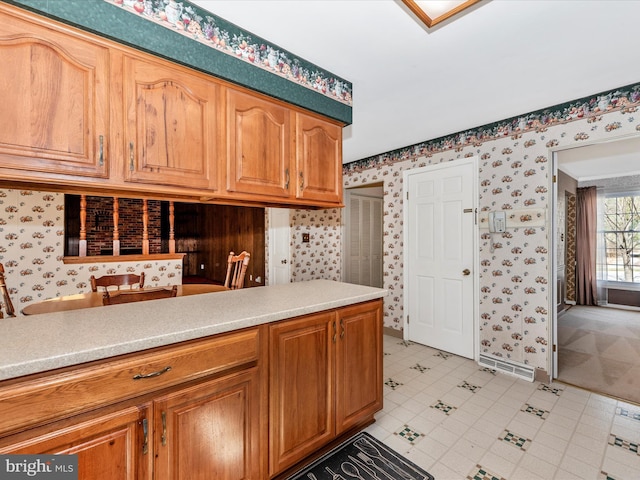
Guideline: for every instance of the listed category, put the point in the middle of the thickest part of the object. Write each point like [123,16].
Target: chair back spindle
[236,269]
[125,279]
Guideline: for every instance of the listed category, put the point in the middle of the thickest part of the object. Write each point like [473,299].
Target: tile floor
[458,420]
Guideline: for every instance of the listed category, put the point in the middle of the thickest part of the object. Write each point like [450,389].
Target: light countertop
[37,343]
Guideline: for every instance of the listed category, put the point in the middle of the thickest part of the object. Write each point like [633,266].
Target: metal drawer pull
[131,156]
[145,430]
[342,328]
[151,375]
[101,160]
[164,428]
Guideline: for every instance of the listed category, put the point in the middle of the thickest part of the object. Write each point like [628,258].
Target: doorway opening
[597,337]
[363,225]
[204,233]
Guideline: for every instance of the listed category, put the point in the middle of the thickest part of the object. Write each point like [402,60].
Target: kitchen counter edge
[38,343]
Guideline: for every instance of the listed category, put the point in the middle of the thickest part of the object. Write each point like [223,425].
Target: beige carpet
[599,350]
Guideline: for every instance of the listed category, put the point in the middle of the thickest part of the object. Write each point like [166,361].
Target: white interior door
[279,246]
[441,256]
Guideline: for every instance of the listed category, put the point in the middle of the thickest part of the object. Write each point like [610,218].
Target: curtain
[586,246]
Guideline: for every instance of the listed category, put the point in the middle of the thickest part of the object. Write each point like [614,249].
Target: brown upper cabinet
[55,103]
[258,145]
[318,159]
[170,135]
[276,151]
[85,113]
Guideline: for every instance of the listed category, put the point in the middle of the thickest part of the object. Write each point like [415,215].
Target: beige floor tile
[567,441]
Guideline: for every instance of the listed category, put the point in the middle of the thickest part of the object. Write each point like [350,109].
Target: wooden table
[94,299]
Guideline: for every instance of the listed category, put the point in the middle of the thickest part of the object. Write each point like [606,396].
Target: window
[621,235]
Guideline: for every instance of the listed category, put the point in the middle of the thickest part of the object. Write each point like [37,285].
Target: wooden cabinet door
[170,125]
[358,364]
[55,109]
[301,417]
[112,446]
[258,146]
[210,430]
[319,159]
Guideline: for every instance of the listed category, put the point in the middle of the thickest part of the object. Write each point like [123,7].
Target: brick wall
[100,225]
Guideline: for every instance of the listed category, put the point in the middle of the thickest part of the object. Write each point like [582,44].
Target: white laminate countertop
[37,343]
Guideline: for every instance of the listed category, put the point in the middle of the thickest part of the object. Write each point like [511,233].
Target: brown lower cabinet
[325,378]
[210,430]
[109,445]
[242,405]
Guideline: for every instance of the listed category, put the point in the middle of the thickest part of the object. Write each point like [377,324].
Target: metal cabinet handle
[334,331]
[131,156]
[466,272]
[164,428]
[101,153]
[145,431]
[140,376]
[301,180]
[286,183]
[341,328]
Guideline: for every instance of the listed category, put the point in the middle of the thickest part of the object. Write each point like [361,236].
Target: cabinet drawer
[28,402]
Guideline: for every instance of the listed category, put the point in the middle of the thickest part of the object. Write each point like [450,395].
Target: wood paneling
[212,231]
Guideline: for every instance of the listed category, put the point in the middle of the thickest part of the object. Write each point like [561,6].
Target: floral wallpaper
[32,249]
[514,164]
[202,26]
[320,257]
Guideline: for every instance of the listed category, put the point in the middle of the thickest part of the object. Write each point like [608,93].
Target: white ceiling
[618,158]
[500,59]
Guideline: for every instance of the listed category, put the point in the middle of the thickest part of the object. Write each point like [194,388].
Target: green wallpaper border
[107,20]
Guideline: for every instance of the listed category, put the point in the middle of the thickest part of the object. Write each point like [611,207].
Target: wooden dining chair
[236,268]
[6,299]
[128,296]
[125,279]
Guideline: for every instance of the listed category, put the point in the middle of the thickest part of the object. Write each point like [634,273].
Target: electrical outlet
[305,238]
[202,266]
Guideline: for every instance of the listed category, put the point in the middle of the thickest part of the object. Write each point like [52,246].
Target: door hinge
[407,194]
[554,348]
[407,319]
[554,179]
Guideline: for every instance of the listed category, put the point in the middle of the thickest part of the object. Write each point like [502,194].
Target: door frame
[475,248]
[553,261]
[554,351]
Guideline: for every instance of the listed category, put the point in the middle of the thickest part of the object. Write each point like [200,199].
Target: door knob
[283,261]
[466,272]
